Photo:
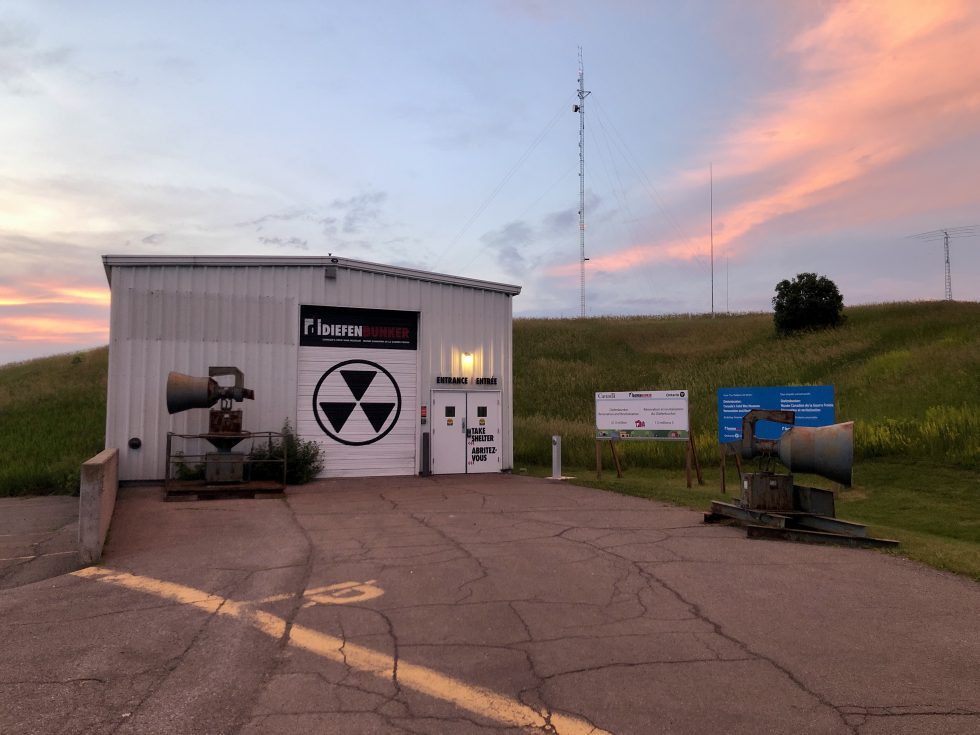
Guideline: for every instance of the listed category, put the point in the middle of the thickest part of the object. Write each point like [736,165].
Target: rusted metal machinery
[772,506]
[221,473]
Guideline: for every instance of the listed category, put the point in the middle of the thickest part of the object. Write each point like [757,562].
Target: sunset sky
[440,136]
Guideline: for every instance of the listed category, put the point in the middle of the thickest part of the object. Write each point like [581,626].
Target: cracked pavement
[38,538]
[475,605]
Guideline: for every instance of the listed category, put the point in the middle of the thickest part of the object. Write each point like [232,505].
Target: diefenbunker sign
[330,326]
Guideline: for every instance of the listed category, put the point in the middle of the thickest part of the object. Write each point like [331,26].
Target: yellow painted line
[477,700]
[340,593]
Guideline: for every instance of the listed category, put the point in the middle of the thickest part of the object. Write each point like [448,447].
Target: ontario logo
[357,402]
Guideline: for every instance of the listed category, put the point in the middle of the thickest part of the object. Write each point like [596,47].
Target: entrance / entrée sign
[659,415]
[813,404]
[336,326]
[458,380]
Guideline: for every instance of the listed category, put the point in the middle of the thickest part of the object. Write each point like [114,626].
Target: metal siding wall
[457,319]
[187,318]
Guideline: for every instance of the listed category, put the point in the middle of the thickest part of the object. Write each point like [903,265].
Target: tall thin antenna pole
[580,109]
[949,285]
[711,216]
[946,234]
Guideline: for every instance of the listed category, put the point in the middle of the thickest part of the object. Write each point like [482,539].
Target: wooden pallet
[190,490]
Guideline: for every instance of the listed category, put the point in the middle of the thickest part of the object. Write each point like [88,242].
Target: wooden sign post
[598,458]
[692,454]
[724,450]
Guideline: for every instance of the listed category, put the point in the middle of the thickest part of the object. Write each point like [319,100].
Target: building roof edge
[246,261]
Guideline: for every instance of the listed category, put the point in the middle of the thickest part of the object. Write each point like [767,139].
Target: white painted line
[38,556]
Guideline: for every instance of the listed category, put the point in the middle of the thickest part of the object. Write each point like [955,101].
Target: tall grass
[908,374]
[52,418]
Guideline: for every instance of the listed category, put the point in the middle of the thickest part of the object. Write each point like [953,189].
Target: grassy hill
[52,418]
[907,374]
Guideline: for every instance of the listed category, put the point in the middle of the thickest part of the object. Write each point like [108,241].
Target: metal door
[355,403]
[483,451]
[448,432]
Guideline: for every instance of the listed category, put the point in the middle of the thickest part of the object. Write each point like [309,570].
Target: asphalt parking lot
[38,538]
[480,604]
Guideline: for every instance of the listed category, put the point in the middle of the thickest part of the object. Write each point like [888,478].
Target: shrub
[182,471]
[808,301]
[303,458]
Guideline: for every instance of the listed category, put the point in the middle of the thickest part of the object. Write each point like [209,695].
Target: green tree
[808,301]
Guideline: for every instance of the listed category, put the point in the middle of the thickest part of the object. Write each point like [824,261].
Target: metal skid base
[796,526]
[206,475]
[187,490]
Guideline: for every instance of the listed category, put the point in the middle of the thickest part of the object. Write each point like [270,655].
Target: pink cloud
[881,82]
[53,329]
[53,293]
[54,313]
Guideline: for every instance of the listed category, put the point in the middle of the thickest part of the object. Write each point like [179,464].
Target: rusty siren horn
[186,391]
[827,451]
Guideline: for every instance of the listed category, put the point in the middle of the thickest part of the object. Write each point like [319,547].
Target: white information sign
[660,415]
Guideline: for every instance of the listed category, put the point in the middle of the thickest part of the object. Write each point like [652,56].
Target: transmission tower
[580,109]
[946,234]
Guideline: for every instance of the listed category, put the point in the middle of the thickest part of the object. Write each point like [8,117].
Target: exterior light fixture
[466,361]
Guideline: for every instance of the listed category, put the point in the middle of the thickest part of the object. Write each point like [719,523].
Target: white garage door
[357,394]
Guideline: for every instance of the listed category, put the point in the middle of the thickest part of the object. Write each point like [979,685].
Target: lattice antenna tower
[946,234]
[580,109]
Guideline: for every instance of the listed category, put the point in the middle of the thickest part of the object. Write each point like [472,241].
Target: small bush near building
[808,301]
[303,458]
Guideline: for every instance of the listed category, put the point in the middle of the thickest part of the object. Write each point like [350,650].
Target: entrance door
[465,432]
[448,432]
[483,432]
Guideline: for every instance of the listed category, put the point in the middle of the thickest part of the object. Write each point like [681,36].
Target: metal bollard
[556,458]
[426,456]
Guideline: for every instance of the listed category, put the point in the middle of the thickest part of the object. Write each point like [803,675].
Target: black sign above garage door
[335,326]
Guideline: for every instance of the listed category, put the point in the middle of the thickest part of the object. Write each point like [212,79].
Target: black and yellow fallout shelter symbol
[357,402]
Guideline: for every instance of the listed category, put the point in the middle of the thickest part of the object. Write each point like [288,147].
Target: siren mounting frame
[771,506]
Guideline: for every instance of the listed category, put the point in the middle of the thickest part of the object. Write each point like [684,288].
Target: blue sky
[440,135]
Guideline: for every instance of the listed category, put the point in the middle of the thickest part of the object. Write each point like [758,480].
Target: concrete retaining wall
[96,501]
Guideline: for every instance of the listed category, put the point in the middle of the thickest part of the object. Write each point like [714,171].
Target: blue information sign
[813,404]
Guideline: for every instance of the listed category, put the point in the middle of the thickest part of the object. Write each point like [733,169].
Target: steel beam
[817,537]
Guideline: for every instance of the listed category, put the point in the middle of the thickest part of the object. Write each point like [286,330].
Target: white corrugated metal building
[361,357]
